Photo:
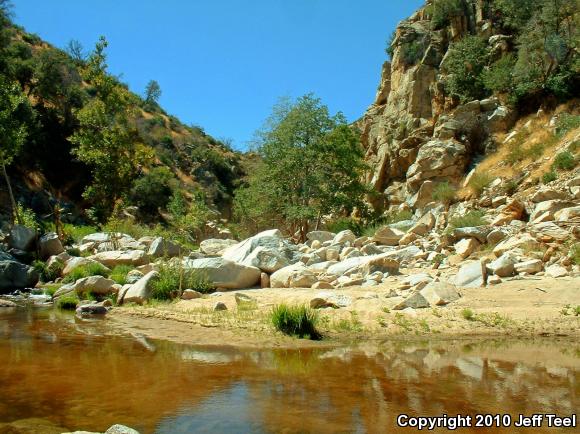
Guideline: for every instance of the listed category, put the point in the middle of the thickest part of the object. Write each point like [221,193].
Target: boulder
[75,262]
[190,294]
[224,273]
[22,238]
[514,210]
[95,284]
[91,309]
[503,266]
[50,245]
[545,211]
[264,280]
[548,232]
[524,241]
[532,266]
[423,225]
[384,261]
[346,236]
[440,293]
[388,236]
[423,196]
[556,271]
[415,301]
[293,276]
[480,233]
[113,258]
[322,285]
[495,236]
[14,275]
[320,236]
[121,429]
[567,214]
[548,193]
[220,306]
[466,247]
[141,291]
[161,247]
[471,275]
[272,244]
[215,246]
[266,259]
[7,303]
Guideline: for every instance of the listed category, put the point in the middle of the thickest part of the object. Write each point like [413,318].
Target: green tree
[153,190]
[13,130]
[499,76]
[312,164]
[105,139]
[152,93]
[465,64]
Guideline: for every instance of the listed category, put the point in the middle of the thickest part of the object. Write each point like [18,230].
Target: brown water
[70,372]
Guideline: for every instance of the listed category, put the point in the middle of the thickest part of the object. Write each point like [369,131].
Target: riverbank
[516,308]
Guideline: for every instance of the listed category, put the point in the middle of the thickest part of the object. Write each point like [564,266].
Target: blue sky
[223,64]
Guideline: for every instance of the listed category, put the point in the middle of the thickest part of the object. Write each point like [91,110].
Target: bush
[444,193]
[167,284]
[152,191]
[479,181]
[119,274]
[345,223]
[48,274]
[464,66]
[468,314]
[566,122]
[412,52]
[27,217]
[471,219]
[442,10]
[575,253]
[499,78]
[536,151]
[68,302]
[77,233]
[86,271]
[299,321]
[564,161]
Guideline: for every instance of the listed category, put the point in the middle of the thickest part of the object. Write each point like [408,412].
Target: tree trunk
[14,207]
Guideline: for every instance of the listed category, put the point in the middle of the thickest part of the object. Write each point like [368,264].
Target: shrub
[27,217]
[479,181]
[299,321]
[390,49]
[77,233]
[471,219]
[167,284]
[88,270]
[499,78]
[68,302]
[345,223]
[549,177]
[442,10]
[564,161]
[575,253]
[412,52]
[48,274]
[510,187]
[468,314]
[536,151]
[119,274]
[566,122]
[152,191]
[444,193]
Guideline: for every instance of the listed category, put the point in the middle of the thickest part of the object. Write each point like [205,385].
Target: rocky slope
[416,131]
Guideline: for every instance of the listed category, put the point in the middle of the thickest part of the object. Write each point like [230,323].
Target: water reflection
[70,372]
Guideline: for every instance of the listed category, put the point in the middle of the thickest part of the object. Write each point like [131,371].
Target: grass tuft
[88,270]
[444,193]
[119,274]
[564,161]
[479,181]
[549,177]
[167,285]
[68,302]
[300,321]
[468,314]
[471,219]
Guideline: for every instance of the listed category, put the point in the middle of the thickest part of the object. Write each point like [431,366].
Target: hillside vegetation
[84,143]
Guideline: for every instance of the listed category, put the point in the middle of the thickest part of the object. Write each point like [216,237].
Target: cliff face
[414,132]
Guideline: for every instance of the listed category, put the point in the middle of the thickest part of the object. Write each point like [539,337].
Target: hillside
[461,73]
[47,172]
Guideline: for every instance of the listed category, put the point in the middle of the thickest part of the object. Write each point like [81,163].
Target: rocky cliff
[415,131]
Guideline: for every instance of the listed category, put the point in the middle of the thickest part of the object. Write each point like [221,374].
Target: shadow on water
[74,374]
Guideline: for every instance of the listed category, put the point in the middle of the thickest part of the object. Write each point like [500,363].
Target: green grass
[479,181]
[471,219]
[536,151]
[468,314]
[444,193]
[567,122]
[351,324]
[51,289]
[575,253]
[300,321]
[564,161]
[549,177]
[77,233]
[119,274]
[68,302]
[48,274]
[167,285]
[86,271]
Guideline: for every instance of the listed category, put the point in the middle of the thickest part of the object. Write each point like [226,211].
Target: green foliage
[574,253]
[88,270]
[441,11]
[77,233]
[312,165]
[566,122]
[468,314]
[390,49]
[152,94]
[471,219]
[13,130]
[465,63]
[564,161]
[27,217]
[119,274]
[68,302]
[444,192]
[152,190]
[48,274]
[412,52]
[345,223]
[479,181]
[499,76]
[189,220]
[299,321]
[173,279]
[105,140]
